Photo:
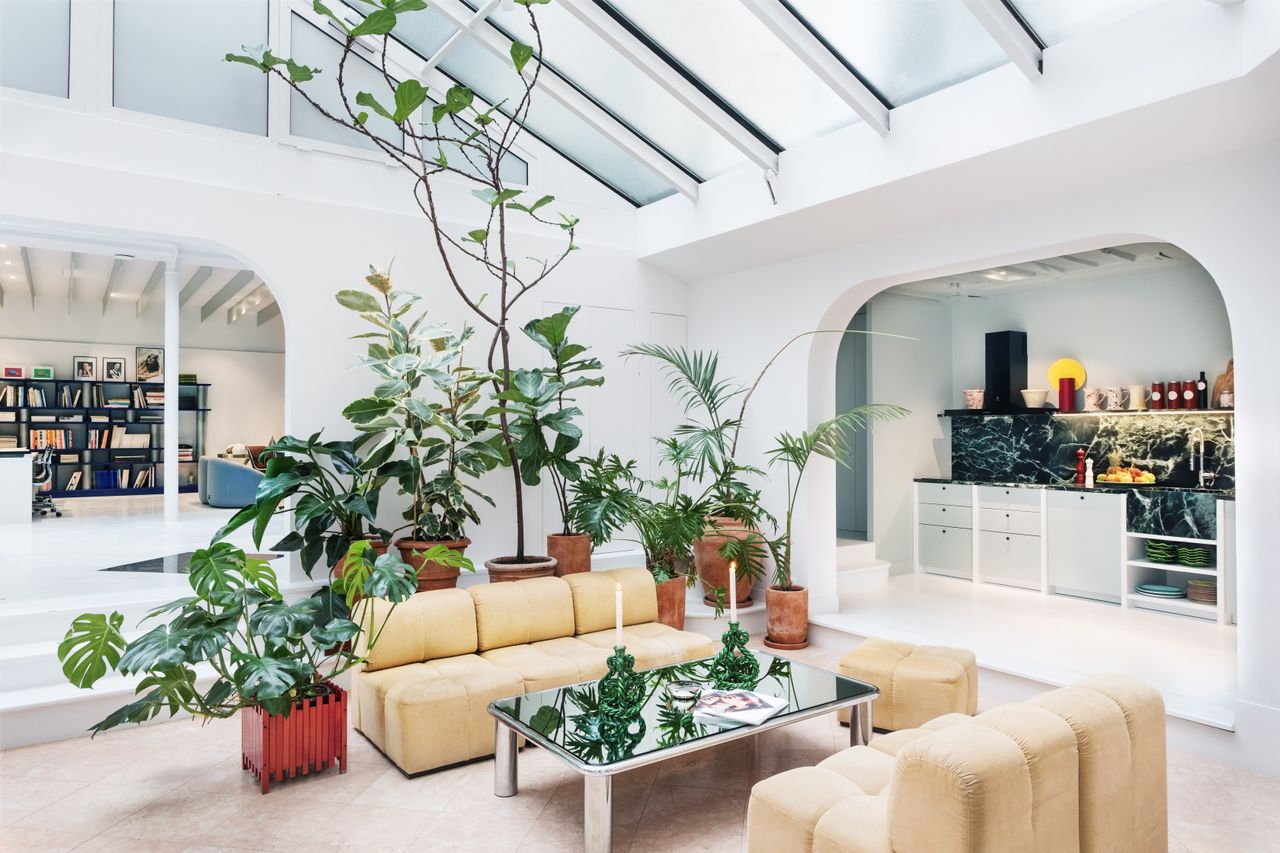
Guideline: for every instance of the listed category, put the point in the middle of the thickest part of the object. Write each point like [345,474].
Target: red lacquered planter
[311,739]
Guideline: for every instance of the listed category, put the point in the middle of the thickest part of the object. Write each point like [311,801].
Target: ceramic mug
[1138,396]
[1115,398]
[974,397]
[1093,399]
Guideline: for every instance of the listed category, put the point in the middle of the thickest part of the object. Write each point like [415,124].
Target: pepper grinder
[1080,467]
[1088,474]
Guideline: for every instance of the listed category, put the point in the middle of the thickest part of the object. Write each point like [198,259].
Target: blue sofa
[227,482]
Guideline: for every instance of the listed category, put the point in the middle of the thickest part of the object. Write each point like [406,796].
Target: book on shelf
[99,419]
[70,419]
[186,453]
[44,419]
[8,442]
[8,417]
[68,458]
[736,707]
[73,482]
[58,439]
[186,379]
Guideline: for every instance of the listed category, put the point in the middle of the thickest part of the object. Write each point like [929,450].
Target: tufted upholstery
[917,683]
[443,656]
[1076,770]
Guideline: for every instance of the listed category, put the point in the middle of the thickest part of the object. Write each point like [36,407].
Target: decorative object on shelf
[1080,466]
[1174,395]
[1093,399]
[14,373]
[1088,473]
[1138,396]
[41,371]
[113,369]
[1224,387]
[974,398]
[1191,394]
[84,367]
[1195,557]
[1034,398]
[1066,395]
[1159,396]
[1202,590]
[1160,551]
[735,665]
[1159,590]
[1115,398]
[1065,367]
[1202,392]
[149,363]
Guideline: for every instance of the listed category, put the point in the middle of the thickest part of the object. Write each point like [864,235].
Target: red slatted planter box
[311,739]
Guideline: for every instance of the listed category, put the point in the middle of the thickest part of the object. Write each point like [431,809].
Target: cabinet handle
[944,531]
[944,509]
[1006,515]
[1006,538]
[1082,497]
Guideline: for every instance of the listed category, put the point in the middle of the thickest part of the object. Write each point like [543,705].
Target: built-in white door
[1085,543]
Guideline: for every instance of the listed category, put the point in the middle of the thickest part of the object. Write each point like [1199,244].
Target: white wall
[1150,325]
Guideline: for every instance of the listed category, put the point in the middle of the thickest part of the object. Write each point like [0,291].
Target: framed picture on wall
[84,367]
[150,361]
[113,369]
[42,372]
[14,373]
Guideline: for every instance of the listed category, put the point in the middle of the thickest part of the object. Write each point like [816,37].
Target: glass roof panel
[906,49]
[1056,21]
[424,30]
[733,54]
[494,80]
[35,45]
[604,74]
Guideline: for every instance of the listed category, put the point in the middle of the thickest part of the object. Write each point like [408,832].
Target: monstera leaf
[92,646]
[160,648]
[279,623]
[263,678]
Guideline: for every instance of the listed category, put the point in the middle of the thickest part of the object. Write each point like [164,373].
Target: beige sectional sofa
[443,656]
[1076,770]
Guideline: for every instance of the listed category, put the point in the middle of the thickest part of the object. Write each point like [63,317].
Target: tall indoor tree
[462,140]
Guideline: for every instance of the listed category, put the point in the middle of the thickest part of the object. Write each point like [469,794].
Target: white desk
[15,486]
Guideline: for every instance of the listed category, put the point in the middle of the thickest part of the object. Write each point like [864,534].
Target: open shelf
[1210,571]
[1133,535]
[1044,413]
[1180,606]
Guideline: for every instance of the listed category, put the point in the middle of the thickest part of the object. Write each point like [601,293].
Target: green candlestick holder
[735,667]
[622,690]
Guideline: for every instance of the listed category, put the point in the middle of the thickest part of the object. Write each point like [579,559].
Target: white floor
[1055,639]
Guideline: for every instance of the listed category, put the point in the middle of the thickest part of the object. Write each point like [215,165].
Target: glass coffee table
[566,722]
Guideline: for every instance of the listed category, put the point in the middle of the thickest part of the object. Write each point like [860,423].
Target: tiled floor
[178,786]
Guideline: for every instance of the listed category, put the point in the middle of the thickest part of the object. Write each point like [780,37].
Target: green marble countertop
[1224,494]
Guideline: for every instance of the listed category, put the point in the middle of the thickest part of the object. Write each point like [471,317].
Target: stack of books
[56,438]
[186,453]
[736,707]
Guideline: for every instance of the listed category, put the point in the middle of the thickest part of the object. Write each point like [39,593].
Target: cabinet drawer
[1009,521]
[1010,559]
[947,551]
[946,516]
[945,493]
[999,497]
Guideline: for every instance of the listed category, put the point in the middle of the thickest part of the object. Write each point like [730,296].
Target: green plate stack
[1159,551]
[1195,557]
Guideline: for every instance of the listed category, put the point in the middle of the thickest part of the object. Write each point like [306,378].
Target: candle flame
[619,586]
[733,565]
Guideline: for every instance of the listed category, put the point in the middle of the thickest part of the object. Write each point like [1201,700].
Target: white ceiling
[1115,260]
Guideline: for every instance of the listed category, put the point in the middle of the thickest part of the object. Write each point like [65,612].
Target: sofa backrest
[594,598]
[518,612]
[437,624]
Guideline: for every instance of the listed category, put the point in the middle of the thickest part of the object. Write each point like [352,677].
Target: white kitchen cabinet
[946,551]
[1010,497]
[1010,559]
[1009,521]
[946,516]
[949,494]
[1085,543]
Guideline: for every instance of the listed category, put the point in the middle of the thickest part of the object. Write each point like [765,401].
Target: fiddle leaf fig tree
[451,134]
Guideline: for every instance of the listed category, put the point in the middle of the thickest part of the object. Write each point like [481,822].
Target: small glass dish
[684,691]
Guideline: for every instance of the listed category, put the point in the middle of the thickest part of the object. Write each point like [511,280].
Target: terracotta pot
[312,738]
[431,575]
[713,568]
[502,569]
[671,597]
[787,620]
[571,551]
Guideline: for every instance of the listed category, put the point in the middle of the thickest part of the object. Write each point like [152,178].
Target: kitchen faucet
[1205,478]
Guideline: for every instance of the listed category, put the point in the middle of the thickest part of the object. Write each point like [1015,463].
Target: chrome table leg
[504,761]
[860,724]
[597,816]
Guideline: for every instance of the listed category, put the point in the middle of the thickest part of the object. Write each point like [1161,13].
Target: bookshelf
[104,434]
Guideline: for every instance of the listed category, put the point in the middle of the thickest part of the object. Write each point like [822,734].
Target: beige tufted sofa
[443,656]
[1076,770]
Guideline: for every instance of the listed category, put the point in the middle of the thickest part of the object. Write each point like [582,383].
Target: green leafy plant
[236,628]
[450,133]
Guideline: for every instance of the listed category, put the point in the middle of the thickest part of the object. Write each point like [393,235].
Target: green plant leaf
[520,55]
[479,235]
[159,648]
[545,720]
[322,9]
[410,95]
[262,678]
[394,579]
[358,300]
[92,646]
[367,409]
[281,623]
[377,23]
[335,633]
[300,73]
[365,99]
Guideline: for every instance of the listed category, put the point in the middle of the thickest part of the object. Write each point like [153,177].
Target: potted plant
[541,418]
[273,661]
[446,440]
[452,135]
[787,604]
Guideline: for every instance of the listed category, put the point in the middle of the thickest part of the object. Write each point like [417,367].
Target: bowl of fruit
[1127,476]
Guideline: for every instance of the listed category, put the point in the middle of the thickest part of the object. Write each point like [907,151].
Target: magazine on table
[736,707]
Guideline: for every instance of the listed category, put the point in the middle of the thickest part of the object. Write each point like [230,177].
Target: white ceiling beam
[1008,32]
[269,312]
[116,266]
[656,69]
[580,105]
[819,59]
[456,39]
[248,303]
[197,280]
[157,276]
[71,281]
[223,296]
[26,270]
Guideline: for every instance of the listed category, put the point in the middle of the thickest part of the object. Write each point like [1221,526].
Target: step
[855,579]
[852,552]
[700,616]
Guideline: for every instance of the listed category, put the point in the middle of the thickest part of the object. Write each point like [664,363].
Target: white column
[172,287]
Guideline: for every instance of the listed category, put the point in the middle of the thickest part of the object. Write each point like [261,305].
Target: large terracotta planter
[671,598]
[787,620]
[431,575]
[502,569]
[311,739]
[713,568]
[571,551]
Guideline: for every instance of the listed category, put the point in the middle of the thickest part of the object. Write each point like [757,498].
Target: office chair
[42,473]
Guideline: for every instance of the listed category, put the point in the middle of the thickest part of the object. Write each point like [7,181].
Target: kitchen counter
[1224,494]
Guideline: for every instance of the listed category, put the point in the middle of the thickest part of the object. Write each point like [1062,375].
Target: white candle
[733,591]
[617,634]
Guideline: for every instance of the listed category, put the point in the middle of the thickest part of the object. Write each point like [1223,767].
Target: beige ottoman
[917,683]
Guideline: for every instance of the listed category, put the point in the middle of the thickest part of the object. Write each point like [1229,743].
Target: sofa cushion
[784,809]
[436,624]
[916,683]
[654,644]
[512,614]
[369,691]
[551,663]
[869,769]
[855,825]
[594,598]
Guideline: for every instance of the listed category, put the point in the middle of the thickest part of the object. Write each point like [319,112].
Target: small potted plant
[274,662]
[787,604]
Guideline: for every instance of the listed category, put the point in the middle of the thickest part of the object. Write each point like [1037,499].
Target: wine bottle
[1202,392]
